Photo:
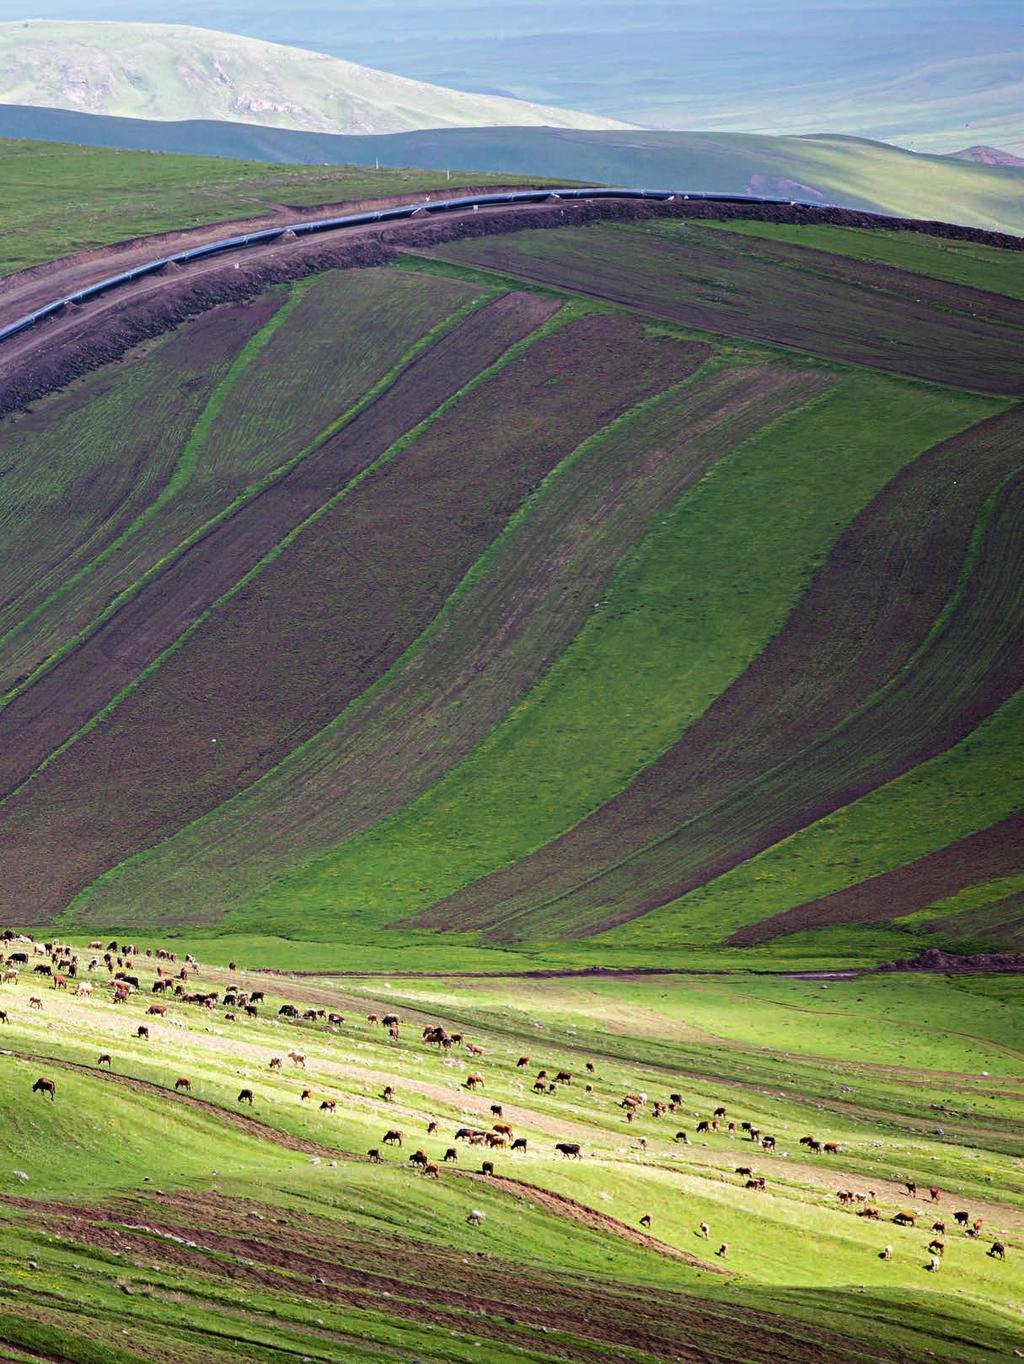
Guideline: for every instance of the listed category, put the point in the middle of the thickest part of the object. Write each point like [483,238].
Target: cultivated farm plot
[827,305]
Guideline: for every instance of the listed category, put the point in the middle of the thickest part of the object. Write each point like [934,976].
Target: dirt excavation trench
[83,337]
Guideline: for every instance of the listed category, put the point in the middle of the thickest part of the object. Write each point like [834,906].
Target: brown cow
[393,1137]
[523,1061]
[432,1126]
[306,1094]
[158,1009]
[183,1082]
[275,1063]
[873,1213]
[906,1219]
[937,1247]
[35,1002]
[830,1148]
[935,1194]
[474,1080]
[504,1127]
[388,1094]
[297,1059]
[474,1049]
[45,1086]
[495,1139]
[418,1158]
[564,1077]
[328,1105]
[60,982]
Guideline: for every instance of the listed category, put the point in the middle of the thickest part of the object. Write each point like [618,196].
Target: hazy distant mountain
[934,75]
[840,170]
[160,72]
[987,156]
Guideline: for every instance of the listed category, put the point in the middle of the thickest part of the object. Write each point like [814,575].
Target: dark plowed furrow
[984,856]
[46,715]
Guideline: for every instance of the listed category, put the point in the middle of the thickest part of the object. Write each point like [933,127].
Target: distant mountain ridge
[163,71]
[848,171]
[987,156]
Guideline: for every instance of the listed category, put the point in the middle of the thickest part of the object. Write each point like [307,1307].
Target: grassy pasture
[59,199]
[779,1053]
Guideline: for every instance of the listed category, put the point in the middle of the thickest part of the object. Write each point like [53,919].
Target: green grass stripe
[180,474]
[681,619]
[253,490]
[393,451]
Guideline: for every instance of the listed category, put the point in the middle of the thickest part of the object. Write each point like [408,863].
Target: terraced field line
[183,469]
[253,490]
[560,319]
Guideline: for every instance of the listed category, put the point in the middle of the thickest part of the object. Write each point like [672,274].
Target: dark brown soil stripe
[984,856]
[870,317]
[343,333]
[38,721]
[45,538]
[492,644]
[869,608]
[580,1316]
[273,665]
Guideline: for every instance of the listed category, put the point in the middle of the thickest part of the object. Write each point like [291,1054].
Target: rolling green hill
[60,199]
[667,607]
[160,71]
[821,168]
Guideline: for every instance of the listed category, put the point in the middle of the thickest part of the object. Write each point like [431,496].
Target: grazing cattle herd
[62,964]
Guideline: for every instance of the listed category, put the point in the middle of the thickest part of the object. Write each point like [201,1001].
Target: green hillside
[59,199]
[666,610]
[821,168]
[149,1211]
[173,71]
